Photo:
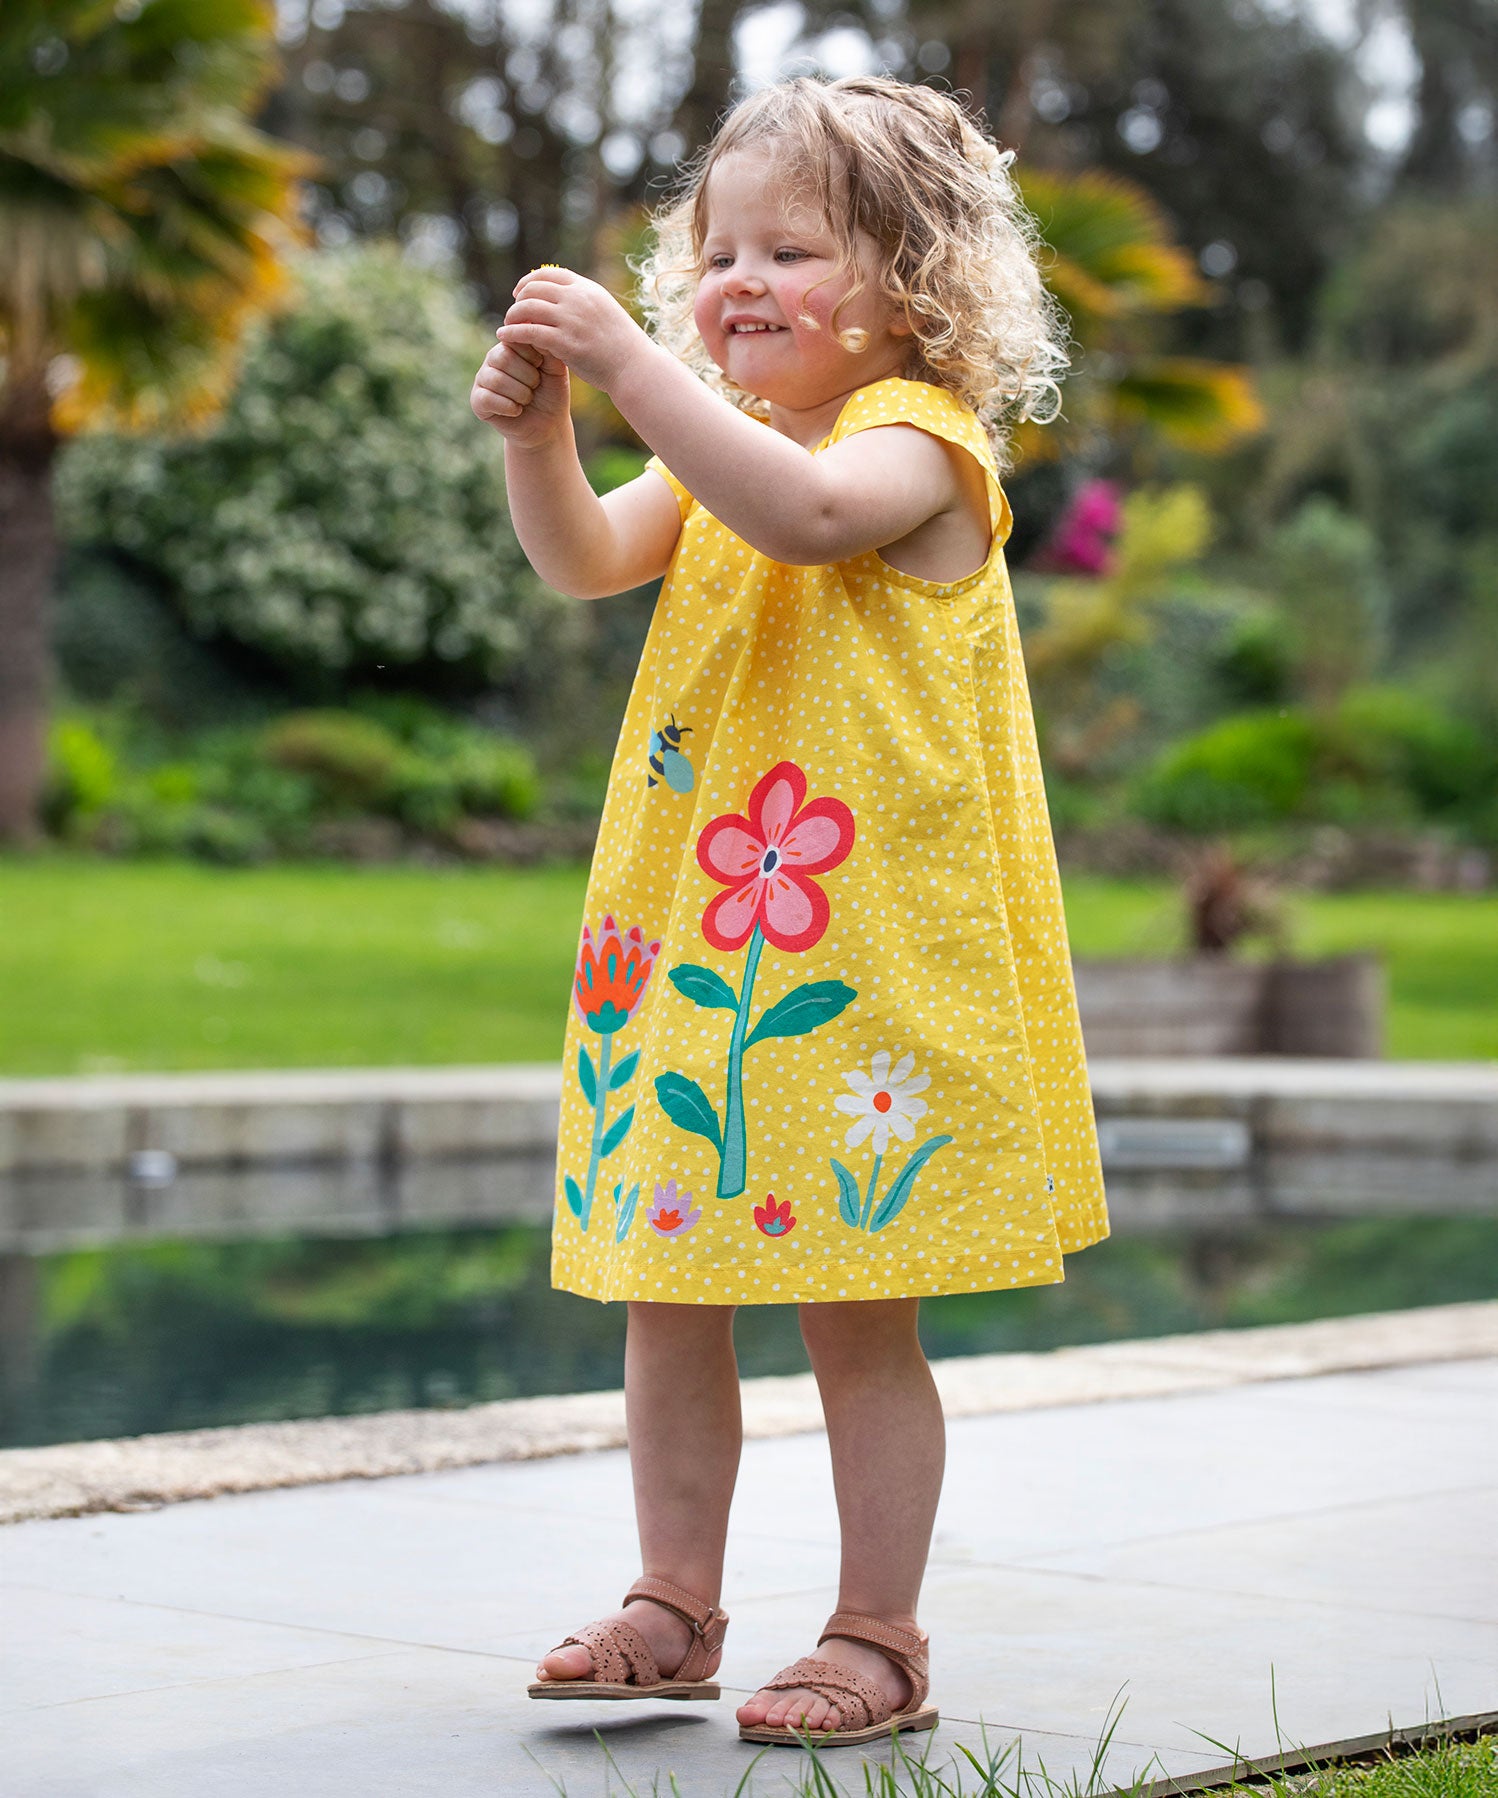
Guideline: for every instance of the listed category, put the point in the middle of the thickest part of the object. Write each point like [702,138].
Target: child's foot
[668,1636]
[801,1708]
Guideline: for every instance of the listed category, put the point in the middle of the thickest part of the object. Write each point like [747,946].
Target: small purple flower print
[671,1214]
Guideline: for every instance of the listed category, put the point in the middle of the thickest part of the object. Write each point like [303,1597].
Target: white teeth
[742,328]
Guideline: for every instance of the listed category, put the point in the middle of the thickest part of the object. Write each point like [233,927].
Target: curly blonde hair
[956,246]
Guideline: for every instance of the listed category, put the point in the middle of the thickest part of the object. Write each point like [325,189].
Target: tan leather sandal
[623,1664]
[864,1712]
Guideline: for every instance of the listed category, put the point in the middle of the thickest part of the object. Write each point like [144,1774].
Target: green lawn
[145,965]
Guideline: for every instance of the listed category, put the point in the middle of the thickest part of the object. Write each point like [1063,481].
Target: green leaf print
[616,1132]
[624,1071]
[626,1214]
[802,1009]
[893,1202]
[847,1195]
[703,987]
[574,1196]
[586,1078]
[685,1103]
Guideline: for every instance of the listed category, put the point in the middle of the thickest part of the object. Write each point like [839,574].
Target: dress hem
[848,1280]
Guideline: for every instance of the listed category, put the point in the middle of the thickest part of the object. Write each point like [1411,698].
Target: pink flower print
[669,1215]
[883,1100]
[611,975]
[765,860]
[773,1219]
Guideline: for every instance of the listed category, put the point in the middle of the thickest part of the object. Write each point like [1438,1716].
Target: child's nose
[744,280]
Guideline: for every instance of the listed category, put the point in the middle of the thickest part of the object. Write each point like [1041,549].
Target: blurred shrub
[119,640]
[1253,667]
[1333,605]
[1382,756]
[351,761]
[82,774]
[346,511]
[1394,738]
[1246,771]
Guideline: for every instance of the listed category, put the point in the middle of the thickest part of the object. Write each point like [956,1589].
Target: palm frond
[1197,404]
[142,219]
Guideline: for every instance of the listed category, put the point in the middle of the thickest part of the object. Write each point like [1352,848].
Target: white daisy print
[884,1099]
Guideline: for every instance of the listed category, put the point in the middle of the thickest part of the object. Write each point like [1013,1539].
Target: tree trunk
[28,562]
[713,69]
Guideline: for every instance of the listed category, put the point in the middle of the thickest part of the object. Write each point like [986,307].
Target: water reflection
[170,1335]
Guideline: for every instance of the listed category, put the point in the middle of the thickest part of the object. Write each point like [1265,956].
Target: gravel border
[141,1473]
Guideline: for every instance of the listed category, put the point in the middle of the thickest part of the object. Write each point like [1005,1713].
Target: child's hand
[568,317]
[524,393]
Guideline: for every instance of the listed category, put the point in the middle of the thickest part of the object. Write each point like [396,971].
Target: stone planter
[1212,1005]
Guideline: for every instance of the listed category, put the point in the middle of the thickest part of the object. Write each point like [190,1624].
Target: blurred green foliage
[1381,755]
[345,514]
[244,793]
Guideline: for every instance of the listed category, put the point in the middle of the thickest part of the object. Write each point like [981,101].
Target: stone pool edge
[74,1479]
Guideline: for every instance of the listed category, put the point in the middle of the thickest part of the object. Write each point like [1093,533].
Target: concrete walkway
[1333,1535]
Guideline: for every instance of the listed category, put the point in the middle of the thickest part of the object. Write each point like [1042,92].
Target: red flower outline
[765,859]
[773,1219]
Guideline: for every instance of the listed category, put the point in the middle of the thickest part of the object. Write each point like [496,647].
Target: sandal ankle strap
[910,1648]
[691,1609]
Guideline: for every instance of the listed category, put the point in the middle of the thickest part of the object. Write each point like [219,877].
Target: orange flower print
[673,1213]
[612,971]
[773,1219]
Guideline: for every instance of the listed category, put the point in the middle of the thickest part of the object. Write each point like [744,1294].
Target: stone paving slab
[1321,1543]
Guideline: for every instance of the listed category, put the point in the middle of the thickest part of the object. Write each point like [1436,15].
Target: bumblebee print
[668,760]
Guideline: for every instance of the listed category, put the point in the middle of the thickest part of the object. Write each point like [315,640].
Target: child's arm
[869,490]
[579,544]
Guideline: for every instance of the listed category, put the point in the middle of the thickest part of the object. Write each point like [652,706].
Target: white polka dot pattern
[933,1133]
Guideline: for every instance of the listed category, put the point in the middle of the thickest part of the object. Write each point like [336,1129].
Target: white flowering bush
[346,510]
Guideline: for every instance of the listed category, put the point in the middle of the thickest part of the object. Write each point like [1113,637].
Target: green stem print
[608,985]
[799,1012]
[732,1175]
[764,862]
[868,1203]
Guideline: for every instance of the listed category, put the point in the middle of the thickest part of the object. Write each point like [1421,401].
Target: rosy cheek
[706,311]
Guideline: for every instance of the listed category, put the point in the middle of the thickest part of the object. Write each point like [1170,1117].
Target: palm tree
[1112,261]
[142,222]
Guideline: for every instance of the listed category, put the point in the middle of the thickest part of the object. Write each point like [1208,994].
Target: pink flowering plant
[765,862]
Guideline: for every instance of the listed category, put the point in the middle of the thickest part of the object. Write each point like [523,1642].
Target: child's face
[762,261]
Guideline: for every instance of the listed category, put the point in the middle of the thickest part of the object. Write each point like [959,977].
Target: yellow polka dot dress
[823,1041]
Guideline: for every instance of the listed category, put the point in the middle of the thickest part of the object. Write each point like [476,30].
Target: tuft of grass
[1432,1767]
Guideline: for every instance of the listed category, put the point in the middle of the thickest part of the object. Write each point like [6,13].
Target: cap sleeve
[684,500]
[931,408]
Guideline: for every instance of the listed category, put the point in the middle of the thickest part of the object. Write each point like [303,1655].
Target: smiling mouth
[752,330]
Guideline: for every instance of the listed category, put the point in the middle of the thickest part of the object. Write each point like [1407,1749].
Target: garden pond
[177,1334]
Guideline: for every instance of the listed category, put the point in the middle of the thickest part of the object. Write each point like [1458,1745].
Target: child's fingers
[506,387]
[546,338]
[506,360]
[524,351]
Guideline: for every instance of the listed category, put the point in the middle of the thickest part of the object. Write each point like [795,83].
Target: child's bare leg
[681,1403]
[888,1442]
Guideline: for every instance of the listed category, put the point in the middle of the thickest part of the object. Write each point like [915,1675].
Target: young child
[824,1048]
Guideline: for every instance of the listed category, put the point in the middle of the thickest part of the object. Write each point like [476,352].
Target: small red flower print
[773,1219]
[611,975]
[764,861]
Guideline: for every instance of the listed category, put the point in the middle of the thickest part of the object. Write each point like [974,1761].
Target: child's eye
[794,254]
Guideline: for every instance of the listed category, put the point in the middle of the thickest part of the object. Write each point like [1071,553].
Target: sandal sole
[840,1738]
[615,1689]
